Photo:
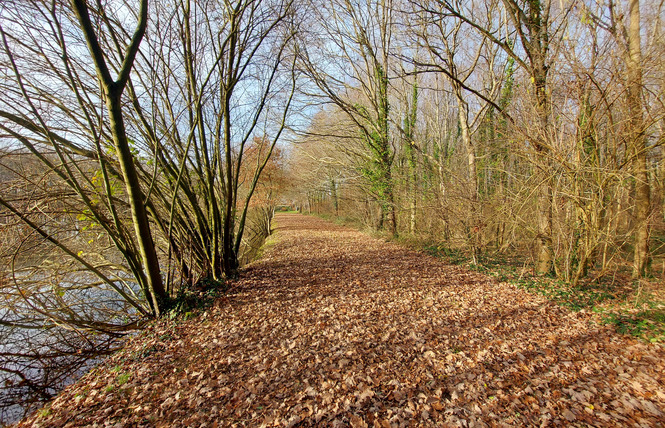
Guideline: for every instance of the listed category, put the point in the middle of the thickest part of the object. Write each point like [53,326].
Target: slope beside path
[334,328]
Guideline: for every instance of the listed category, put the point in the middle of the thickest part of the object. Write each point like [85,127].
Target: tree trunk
[390,200]
[413,207]
[474,225]
[229,258]
[385,157]
[544,259]
[112,90]
[638,142]
[333,191]
[157,293]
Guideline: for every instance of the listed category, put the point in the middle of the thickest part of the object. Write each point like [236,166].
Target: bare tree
[446,40]
[235,83]
[75,135]
[535,27]
[349,63]
[140,127]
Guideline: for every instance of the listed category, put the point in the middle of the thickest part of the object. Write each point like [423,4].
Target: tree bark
[112,90]
[135,195]
[638,143]
[544,261]
[463,115]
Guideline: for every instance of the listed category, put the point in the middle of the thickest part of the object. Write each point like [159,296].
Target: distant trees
[521,127]
[265,190]
[346,54]
[327,162]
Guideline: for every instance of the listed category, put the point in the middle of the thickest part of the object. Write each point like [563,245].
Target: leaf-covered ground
[334,328]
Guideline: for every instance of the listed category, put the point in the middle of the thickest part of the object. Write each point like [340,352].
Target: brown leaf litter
[334,328]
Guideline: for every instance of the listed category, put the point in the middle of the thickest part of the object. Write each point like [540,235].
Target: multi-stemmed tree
[139,114]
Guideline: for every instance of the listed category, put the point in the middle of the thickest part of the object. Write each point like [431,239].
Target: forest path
[332,327]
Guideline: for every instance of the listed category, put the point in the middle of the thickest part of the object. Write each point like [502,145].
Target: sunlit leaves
[334,328]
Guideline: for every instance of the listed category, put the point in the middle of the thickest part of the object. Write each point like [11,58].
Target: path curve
[334,328]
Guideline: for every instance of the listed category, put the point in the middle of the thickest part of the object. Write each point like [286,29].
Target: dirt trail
[334,328]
